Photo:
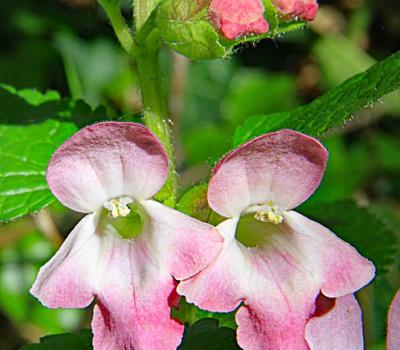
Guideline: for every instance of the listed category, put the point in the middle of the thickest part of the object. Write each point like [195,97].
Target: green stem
[155,114]
[146,53]
[121,29]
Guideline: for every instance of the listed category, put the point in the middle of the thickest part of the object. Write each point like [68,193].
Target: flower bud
[239,17]
[304,9]
[185,27]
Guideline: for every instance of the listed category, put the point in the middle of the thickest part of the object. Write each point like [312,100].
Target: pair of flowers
[243,17]
[293,278]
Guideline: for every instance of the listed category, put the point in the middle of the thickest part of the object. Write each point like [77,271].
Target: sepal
[185,27]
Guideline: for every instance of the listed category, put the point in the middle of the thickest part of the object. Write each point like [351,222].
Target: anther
[268,212]
[118,207]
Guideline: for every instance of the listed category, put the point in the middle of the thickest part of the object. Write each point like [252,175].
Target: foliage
[332,109]
[206,335]
[26,114]
[319,80]
[81,341]
[203,335]
[185,27]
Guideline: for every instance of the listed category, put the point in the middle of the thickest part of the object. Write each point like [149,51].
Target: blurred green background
[68,46]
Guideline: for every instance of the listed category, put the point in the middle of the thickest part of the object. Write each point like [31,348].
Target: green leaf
[340,58]
[185,27]
[19,265]
[80,341]
[203,335]
[334,108]
[369,231]
[254,91]
[194,203]
[386,148]
[90,66]
[340,180]
[144,15]
[206,144]
[32,126]
[206,335]
[281,28]
[190,314]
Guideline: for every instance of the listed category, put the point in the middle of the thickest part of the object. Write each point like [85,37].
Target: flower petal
[285,167]
[133,301]
[278,282]
[67,279]
[240,11]
[393,333]
[339,328]
[304,9]
[219,287]
[275,306]
[106,161]
[137,288]
[342,268]
[183,244]
[240,17]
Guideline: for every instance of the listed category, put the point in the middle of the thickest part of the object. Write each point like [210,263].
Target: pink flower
[276,261]
[239,17]
[304,9]
[393,334]
[126,260]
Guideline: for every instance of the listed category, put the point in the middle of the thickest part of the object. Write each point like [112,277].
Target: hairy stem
[145,50]
[155,114]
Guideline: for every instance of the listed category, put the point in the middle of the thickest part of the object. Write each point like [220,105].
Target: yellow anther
[118,207]
[268,212]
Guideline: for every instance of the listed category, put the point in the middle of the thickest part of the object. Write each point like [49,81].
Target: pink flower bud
[304,9]
[235,18]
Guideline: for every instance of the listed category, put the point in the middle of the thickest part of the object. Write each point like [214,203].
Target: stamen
[118,207]
[268,212]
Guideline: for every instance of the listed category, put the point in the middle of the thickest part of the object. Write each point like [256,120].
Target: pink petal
[219,287]
[339,328]
[304,9]
[133,301]
[342,268]
[137,289]
[106,161]
[239,17]
[277,282]
[67,279]
[183,244]
[285,167]
[393,336]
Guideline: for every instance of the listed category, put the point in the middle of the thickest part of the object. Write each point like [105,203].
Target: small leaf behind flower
[206,335]
[194,203]
[80,341]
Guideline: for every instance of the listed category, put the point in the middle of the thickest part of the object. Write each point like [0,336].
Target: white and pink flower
[129,250]
[278,264]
